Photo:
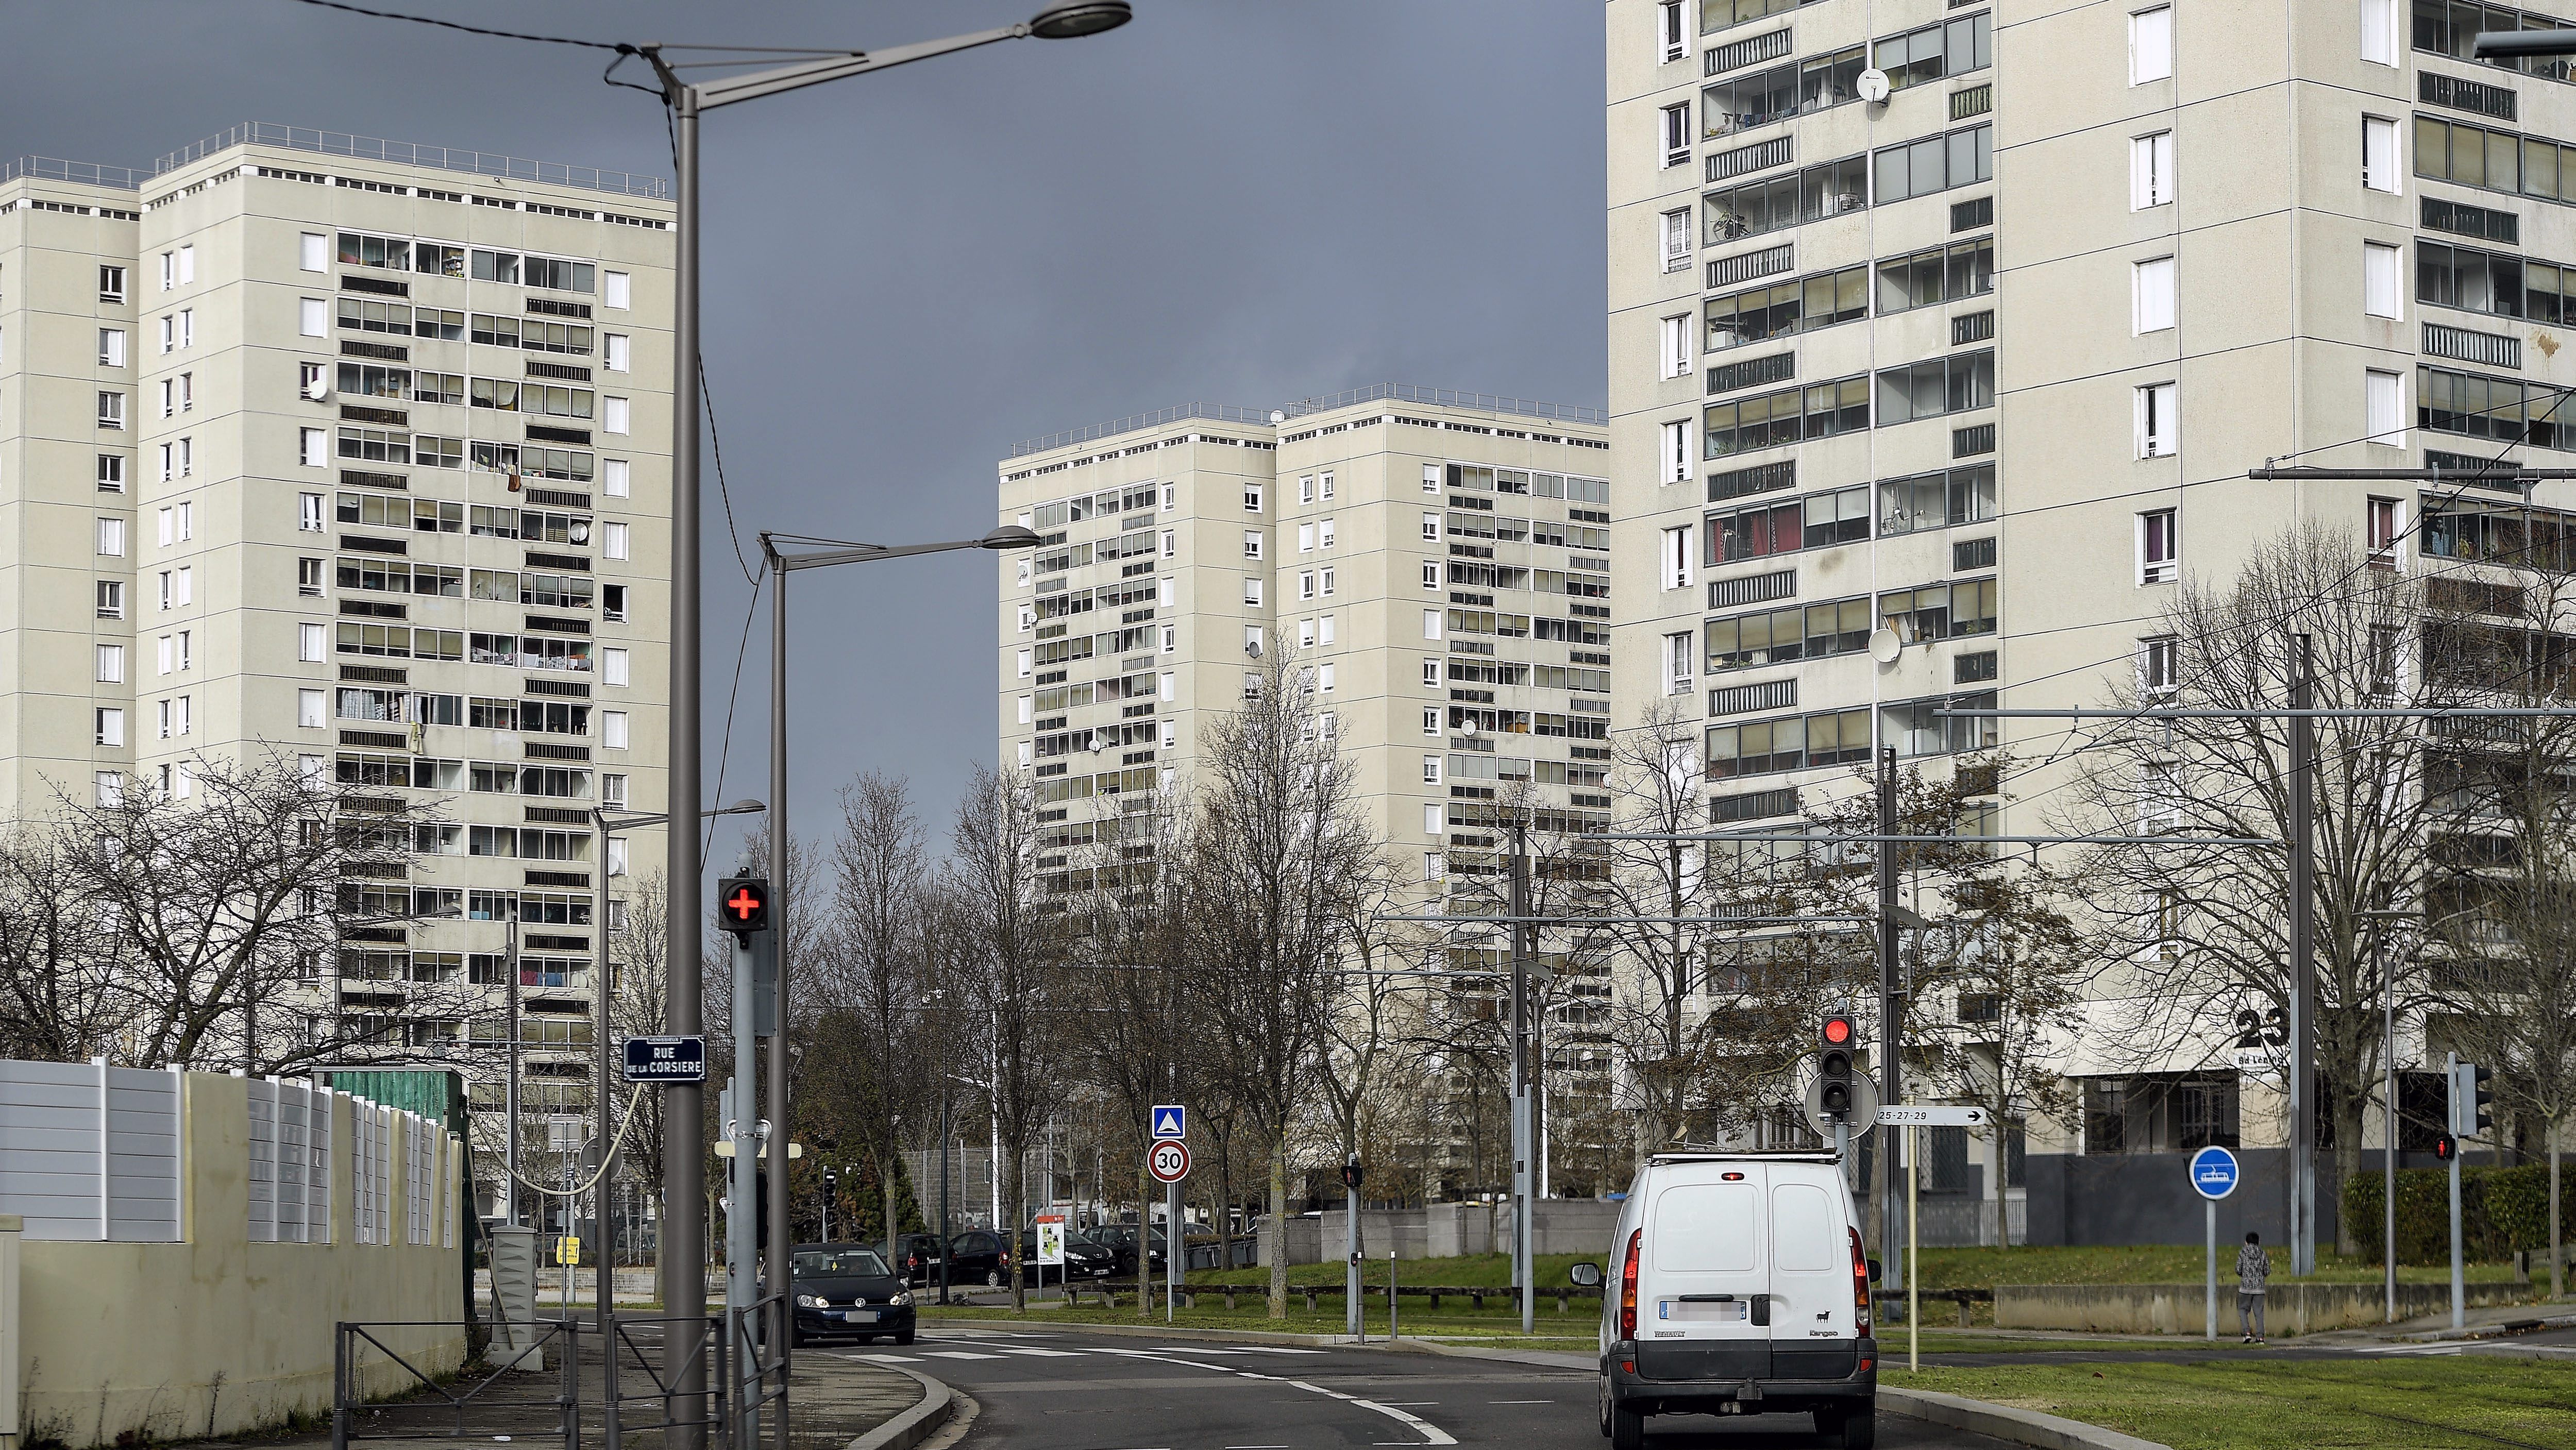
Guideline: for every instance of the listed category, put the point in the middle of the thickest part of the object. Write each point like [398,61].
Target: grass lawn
[1455,1317]
[1473,1271]
[2244,1404]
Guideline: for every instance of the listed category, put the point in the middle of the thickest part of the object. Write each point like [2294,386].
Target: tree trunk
[1144,1237]
[2347,1164]
[1996,1128]
[1279,1226]
[1015,1193]
[2557,1241]
[885,1180]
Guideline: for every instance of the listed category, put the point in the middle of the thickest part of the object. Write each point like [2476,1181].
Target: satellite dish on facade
[1277,417]
[1884,646]
[1468,729]
[1874,86]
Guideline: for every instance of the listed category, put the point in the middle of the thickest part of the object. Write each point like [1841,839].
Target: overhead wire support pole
[783,899]
[2303,963]
[1891,1023]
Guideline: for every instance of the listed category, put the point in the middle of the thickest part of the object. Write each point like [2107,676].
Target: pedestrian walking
[2253,1267]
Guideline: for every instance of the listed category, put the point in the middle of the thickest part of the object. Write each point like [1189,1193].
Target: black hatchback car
[848,1290]
[1083,1259]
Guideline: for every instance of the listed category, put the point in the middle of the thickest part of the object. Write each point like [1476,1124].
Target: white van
[1736,1286]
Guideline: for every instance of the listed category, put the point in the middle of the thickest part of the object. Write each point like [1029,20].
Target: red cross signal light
[742,903]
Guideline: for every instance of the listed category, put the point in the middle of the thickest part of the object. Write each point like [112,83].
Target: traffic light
[1351,1174]
[1834,1063]
[2472,1099]
[742,904]
[2446,1148]
[831,1184]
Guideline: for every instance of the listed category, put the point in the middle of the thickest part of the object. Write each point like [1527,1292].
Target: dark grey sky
[908,273]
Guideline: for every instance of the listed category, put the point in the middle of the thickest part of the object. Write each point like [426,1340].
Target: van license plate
[1728,1312]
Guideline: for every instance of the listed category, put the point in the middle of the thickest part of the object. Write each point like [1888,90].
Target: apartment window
[2151,45]
[311,642]
[2379,31]
[1324,685]
[1252,543]
[1935,163]
[308,511]
[111,538]
[169,333]
[2381,268]
[187,264]
[111,410]
[1251,590]
[1252,498]
[187,327]
[1431,528]
[612,540]
[1431,770]
[111,664]
[612,415]
[2159,547]
[1431,478]
[183,586]
[614,354]
[111,347]
[111,284]
[1767,420]
[1327,631]
[615,288]
[1943,274]
[313,448]
[2379,154]
[1676,350]
[1324,534]
[2384,395]
[2158,425]
[1959,383]
[1672,32]
[1676,452]
[1676,135]
[2387,531]
[1328,575]
[2151,170]
[1678,650]
[1677,558]
[111,727]
[2159,664]
[313,317]
[1305,488]
[1430,575]
[1171,639]
[309,710]
[612,477]
[1305,634]
[1677,240]
[111,599]
[1431,622]
[111,473]
[308,577]
[313,252]
[2151,292]
[1431,673]
[612,666]
[164,654]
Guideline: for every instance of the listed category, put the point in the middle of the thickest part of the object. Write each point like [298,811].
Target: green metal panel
[435,1093]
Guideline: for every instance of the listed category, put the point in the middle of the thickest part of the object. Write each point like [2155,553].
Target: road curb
[2004,1422]
[915,1425]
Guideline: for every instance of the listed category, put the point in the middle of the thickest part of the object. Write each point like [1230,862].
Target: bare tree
[2207,922]
[61,999]
[1012,974]
[638,990]
[1280,855]
[868,999]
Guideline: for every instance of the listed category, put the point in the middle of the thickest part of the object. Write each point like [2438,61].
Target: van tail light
[1860,1286]
[1628,1286]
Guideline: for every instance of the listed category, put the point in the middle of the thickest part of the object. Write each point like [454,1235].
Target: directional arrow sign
[1170,1120]
[1170,1160]
[1915,1115]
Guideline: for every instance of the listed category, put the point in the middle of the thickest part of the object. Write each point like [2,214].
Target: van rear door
[1703,1293]
[1812,1329]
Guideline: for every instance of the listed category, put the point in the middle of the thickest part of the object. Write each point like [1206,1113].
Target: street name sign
[2214,1172]
[1170,1120]
[1170,1160]
[666,1059]
[1918,1115]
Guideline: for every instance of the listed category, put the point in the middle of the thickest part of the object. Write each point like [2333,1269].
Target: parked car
[849,1290]
[978,1256]
[1731,1270]
[919,1255]
[1083,1259]
[1120,1240]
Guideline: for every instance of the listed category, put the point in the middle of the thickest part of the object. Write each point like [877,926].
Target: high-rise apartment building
[1440,564]
[354,453]
[1965,322]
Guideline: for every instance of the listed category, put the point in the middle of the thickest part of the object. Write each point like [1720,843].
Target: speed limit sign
[1170,1161]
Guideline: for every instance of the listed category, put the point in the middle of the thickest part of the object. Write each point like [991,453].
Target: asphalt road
[1043,1389]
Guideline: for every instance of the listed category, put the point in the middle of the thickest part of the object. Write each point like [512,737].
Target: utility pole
[1524,1276]
[945,1126]
[2303,964]
[510,1083]
[1891,1025]
[782,900]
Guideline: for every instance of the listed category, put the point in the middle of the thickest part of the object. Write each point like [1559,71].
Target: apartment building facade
[1439,564]
[353,453]
[1959,325]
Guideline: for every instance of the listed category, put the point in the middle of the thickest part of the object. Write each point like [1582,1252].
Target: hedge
[2501,1210]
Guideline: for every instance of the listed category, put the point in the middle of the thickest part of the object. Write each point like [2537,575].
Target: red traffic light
[743,904]
[2446,1147]
[1838,1030]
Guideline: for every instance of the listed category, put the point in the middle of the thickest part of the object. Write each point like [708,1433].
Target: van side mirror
[1873,1271]
[1587,1275]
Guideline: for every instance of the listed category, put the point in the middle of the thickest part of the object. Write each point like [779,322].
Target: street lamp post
[683,1242]
[2388,1094]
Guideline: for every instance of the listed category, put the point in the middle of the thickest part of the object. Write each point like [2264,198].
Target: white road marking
[959,1354]
[1520,1402]
[1431,1433]
[1044,1353]
[885,1358]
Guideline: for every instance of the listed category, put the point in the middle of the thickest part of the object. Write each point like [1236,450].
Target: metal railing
[493,1399]
[84,173]
[1444,398]
[1214,412]
[405,153]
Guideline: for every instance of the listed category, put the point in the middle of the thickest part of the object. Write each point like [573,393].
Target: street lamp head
[1079,18]
[1009,536]
[743,807]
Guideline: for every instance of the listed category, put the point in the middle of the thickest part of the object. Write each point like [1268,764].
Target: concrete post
[11,1225]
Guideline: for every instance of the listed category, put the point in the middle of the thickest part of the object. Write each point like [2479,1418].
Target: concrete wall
[2181,1308]
[2146,1198]
[216,1334]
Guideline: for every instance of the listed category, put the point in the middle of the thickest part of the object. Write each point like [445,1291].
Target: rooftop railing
[85,173]
[405,153]
[1214,412]
[1443,398]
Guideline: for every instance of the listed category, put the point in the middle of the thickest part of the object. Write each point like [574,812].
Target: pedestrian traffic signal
[1834,1062]
[742,904]
[2446,1147]
[1351,1174]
